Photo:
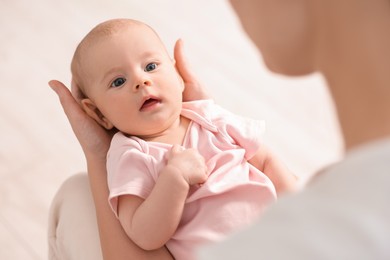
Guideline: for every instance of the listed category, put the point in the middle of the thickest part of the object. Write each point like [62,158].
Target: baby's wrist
[176,176]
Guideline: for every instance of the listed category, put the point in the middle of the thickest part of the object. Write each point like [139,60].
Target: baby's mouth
[149,103]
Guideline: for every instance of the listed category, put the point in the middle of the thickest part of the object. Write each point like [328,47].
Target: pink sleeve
[128,173]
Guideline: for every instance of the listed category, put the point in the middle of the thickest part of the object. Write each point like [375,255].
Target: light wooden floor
[37,148]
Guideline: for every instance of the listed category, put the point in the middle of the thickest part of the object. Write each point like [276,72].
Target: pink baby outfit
[235,192]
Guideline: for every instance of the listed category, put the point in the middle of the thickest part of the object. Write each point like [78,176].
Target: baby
[180,174]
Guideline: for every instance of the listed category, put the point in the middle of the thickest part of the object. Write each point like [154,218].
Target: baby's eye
[151,66]
[118,82]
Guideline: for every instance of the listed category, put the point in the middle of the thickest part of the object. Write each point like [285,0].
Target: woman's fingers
[193,89]
[92,137]
[69,104]
[182,65]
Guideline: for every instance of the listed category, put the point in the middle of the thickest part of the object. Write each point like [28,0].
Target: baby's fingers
[176,149]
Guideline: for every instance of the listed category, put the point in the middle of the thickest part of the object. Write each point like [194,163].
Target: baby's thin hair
[101,30]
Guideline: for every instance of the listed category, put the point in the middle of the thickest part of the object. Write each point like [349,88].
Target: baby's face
[133,82]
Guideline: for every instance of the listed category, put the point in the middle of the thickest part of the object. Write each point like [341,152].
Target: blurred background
[37,148]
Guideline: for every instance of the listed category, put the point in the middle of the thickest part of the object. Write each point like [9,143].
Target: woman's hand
[93,139]
[194,90]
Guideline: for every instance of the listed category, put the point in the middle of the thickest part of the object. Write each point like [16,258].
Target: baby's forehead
[107,30]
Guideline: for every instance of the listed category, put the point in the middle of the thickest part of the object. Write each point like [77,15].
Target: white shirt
[343,213]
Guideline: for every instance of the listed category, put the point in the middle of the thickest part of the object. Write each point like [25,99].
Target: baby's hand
[190,164]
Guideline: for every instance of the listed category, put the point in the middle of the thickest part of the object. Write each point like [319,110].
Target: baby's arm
[283,179]
[150,223]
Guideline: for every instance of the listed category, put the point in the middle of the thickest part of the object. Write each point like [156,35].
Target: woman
[343,213]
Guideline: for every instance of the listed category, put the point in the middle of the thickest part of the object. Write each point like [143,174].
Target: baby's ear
[91,109]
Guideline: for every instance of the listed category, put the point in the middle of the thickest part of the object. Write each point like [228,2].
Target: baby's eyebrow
[110,71]
[150,53]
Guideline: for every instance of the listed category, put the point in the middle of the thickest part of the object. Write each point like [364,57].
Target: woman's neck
[355,59]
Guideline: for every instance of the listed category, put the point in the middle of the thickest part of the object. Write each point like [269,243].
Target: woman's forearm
[115,243]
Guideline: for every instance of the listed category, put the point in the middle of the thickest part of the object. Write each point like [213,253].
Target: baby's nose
[146,83]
